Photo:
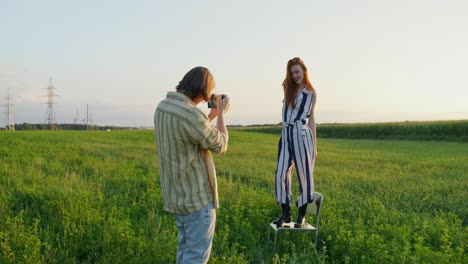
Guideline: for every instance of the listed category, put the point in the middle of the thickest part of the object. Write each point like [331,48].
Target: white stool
[312,208]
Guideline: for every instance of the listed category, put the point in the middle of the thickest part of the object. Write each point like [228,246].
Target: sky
[369,60]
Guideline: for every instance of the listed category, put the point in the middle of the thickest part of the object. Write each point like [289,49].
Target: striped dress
[296,149]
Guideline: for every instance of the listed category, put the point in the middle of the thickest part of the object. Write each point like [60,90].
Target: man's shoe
[301,221]
[285,216]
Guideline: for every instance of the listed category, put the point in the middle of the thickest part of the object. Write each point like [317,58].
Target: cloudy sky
[369,60]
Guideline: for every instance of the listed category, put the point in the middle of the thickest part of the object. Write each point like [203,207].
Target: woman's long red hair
[291,88]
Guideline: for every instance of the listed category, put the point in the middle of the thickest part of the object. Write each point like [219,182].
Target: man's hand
[213,113]
[222,105]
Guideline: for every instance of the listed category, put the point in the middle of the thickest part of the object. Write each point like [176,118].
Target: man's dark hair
[197,82]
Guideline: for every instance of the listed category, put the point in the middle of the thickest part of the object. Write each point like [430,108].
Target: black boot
[285,216]
[301,221]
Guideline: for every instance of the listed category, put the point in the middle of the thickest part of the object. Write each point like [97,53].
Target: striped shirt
[184,139]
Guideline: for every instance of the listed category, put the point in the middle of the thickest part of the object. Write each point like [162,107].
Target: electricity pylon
[50,115]
[9,125]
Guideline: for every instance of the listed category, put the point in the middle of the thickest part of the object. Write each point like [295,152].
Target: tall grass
[78,197]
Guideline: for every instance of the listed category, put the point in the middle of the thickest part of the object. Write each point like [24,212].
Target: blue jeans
[196,232]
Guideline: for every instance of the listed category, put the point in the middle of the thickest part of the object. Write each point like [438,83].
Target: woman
[297,145]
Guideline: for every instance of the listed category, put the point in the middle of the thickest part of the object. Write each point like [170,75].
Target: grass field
[94,197]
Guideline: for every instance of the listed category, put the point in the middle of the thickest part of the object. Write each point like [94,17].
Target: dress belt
[298,122]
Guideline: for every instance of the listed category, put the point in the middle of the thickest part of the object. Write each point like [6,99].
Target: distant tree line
[256,125]
[29,126]
[450,130]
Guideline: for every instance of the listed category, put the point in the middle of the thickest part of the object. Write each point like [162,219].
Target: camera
[212,101]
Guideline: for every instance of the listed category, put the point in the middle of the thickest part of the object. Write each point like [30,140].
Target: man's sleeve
[201,132]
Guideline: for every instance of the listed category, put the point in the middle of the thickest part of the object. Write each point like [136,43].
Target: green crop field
[94,197]
[448,130]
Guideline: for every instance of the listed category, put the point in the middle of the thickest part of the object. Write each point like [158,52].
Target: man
[185,139]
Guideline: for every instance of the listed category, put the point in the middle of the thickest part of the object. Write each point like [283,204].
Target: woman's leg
[302,150]
[284,172]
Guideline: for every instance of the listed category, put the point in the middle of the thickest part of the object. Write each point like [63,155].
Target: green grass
[78,197]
